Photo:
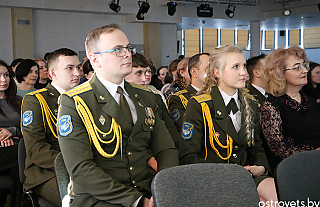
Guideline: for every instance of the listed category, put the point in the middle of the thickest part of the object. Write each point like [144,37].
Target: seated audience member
[27,74]
[161,74]
[40,110]
[140,75]
[10,133]
[106,155]
[82,74]
[217,131]
[13,66]
[179,82]
[178,101]
[43,74]
[87,70]
[312,88]
[255,70]
[288,115]
[172,72]
[168,81]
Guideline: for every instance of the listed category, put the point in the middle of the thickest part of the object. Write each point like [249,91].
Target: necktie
[232,106]
[124,106]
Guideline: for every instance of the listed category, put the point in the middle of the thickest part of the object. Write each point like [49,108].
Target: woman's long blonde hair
[218,59]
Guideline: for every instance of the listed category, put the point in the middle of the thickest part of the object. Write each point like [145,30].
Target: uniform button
[131,168]
[234,155]
[129,153]
[133,182]
[130,139]
[151,127]
[236,147]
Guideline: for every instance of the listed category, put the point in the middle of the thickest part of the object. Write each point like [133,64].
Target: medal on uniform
[102,120]
[251,138]
[149,116]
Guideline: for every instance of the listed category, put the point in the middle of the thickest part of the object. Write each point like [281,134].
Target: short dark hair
[15,62]
[24,68]
[252,63]
[312,65]
[138,60]
[53,56]
[194,62]
[87,67]
[158,70]
[11,97]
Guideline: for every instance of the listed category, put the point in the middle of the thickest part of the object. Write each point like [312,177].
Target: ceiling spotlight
[172,8]
[143,9]
[230,10]
[115,6]
[204,10]
[286,11]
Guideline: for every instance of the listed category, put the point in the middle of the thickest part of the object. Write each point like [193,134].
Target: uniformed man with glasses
[106,125]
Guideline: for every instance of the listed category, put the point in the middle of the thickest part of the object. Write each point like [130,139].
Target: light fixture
[204,10]
[230,10]
[286,11]
[172,8]
[115,6]
[143,9]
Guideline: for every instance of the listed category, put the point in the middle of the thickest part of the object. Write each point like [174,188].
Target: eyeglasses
[121,51]
[299,67]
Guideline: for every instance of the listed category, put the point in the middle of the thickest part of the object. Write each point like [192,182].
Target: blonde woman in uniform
[210,120]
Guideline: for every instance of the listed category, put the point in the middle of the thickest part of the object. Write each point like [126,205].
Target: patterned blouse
[272,125]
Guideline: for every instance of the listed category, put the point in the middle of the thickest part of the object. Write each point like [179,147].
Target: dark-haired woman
[313,86]
[9,132]
[27,74]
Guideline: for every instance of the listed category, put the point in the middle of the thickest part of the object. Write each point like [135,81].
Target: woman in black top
[313,88]
[9,133]
[288,115]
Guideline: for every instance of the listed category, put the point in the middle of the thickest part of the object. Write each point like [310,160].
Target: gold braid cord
[213,135]
[48,115]
[184,101]
[93,130]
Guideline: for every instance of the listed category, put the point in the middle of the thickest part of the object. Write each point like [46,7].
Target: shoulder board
[79,90]
[251,97]
[180,92]
[37,91]
[144,88]
[246,90]
[203,98]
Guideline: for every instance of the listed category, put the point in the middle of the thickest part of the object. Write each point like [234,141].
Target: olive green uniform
[256,93]
[193,145]
[118,180]
[42,146]
[176,106]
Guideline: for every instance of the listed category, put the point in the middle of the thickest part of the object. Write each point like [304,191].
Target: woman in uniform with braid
[221,124]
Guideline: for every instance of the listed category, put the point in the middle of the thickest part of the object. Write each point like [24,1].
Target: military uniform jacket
[119,180]
[192,146]
[177,108]
[42,146]
[256,94]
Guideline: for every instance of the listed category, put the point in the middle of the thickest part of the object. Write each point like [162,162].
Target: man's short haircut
[194,62]
[94,36]
[138,60]
[252,63]
[53,56]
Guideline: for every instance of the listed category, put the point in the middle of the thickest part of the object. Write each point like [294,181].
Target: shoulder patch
[37,91]
[175,114]
[203,98]
[27,118]
[79,90]
[180,92]
[65,125]
[187,130]
[144,88]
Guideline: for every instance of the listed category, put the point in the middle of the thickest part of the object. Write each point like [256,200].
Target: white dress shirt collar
[60,90]
[261,90]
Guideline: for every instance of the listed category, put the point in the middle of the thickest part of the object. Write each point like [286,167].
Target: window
[294,37]
[227,36]
[243,39]
[210,39]
[191,40]
[269,39]
[311,37]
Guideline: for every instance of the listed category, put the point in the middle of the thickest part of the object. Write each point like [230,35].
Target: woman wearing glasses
[287,115]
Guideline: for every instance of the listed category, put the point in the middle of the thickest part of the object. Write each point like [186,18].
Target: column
[255,38]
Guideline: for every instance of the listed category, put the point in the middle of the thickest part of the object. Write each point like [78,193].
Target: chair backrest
[203,185]
[62,176]
[298,177]
[22,155]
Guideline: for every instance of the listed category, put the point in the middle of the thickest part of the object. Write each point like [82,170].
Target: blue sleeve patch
[175,114]
[65,125]
[27,118]
[187,130]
